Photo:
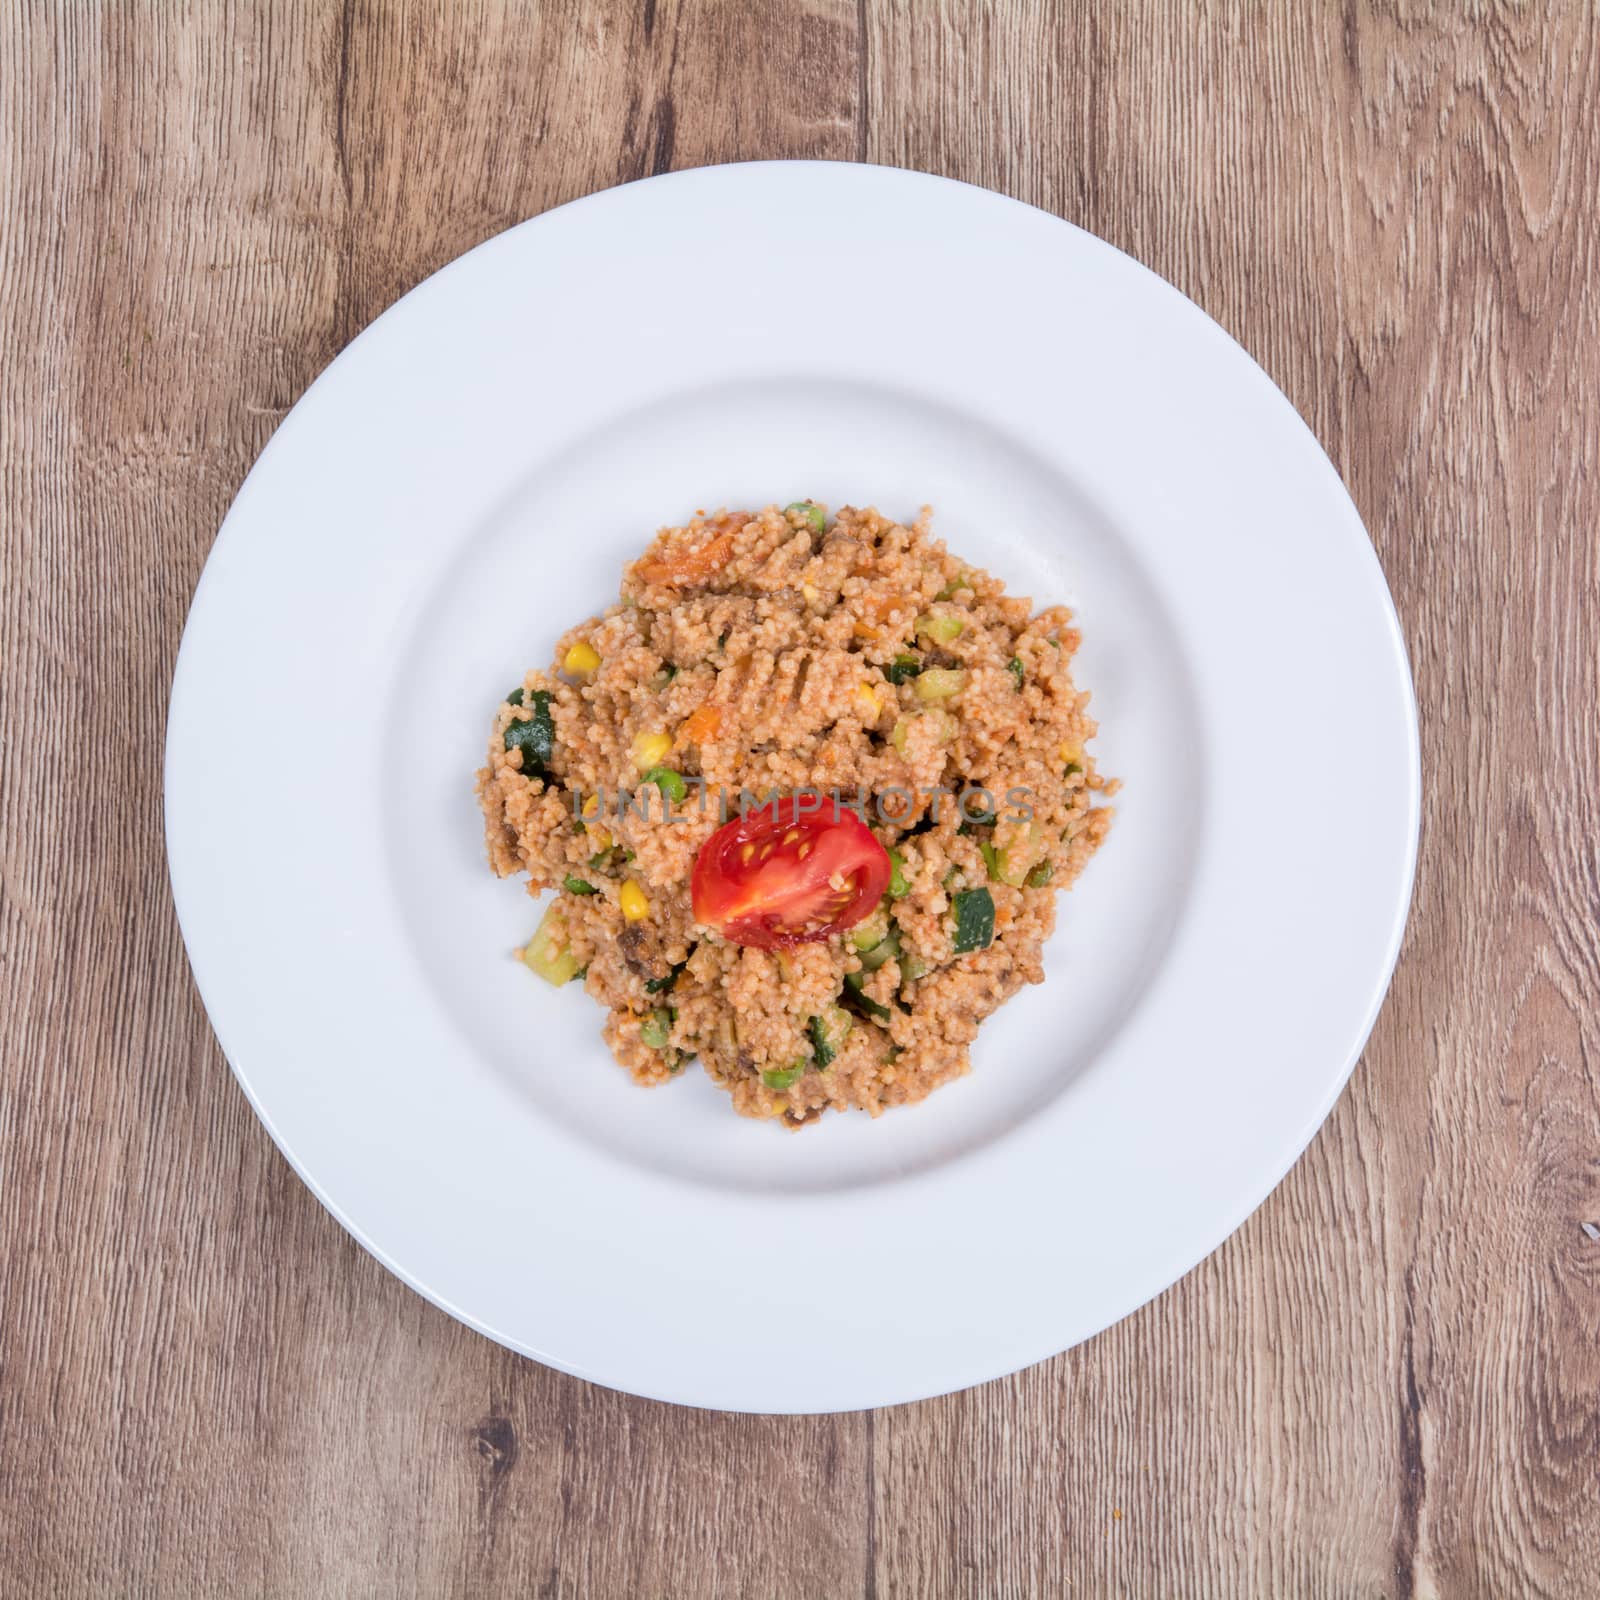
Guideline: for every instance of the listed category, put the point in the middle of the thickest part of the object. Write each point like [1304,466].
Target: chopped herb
[974,912]
[661,985]
[514,698]
[578,886]
[1073,770]
[1014,667]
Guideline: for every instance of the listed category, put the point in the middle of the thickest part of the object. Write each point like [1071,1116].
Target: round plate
[467,480]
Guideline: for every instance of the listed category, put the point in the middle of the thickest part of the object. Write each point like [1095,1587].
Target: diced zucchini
[942,630]
[782,1077]
[960,581]
[873,931]
[578,886]
[828,1034]
[656,1029]
[1041,874]
[974,913]
[994,860]
[534,736]
[899,881]
[547,953]
[940,683]
[885,949]
[857,1001]
[903,668]
[912,967]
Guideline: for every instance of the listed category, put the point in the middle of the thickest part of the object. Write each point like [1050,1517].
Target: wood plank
[1388,1382]
[206,1386]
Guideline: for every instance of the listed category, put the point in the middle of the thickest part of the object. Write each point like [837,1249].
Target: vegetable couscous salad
[806,796]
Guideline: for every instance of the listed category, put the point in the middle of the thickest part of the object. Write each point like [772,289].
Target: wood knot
[495,1440]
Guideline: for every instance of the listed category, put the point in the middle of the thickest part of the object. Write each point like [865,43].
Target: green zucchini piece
[887,947]
[828,1034]
[899,883]
[857,1001]
[578,886]
[782,1077]
[903,668]
[547,953]
[656,1028]
[974,911]
[534,736]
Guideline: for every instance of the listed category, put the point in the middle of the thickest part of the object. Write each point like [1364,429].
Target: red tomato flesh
[796,870]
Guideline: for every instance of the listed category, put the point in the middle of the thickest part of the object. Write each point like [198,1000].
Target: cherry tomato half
[796,870]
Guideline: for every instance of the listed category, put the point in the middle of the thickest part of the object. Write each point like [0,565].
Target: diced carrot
[701,725]
[694,566]
[880,605]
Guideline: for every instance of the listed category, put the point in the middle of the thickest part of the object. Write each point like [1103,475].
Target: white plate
[468,478]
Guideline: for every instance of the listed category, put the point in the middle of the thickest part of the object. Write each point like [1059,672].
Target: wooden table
[1386,1384]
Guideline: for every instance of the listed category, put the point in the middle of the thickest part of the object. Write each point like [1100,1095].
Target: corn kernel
[651,749]
[580,660]
[809,592]
[1072,750]
[867,703]
[634,902]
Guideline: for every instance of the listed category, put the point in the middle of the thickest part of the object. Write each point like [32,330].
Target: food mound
[806,797]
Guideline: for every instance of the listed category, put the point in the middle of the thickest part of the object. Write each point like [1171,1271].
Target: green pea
[811,512]
[670,783]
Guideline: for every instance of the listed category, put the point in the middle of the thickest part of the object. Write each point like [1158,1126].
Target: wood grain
[1386,1384]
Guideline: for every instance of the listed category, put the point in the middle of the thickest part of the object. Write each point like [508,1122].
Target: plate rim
[1349,517]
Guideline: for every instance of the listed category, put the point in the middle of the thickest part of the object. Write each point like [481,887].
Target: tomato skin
[763,879]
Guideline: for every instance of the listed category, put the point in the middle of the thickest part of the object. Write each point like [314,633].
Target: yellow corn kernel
[867,703]
[1072,750]
[580,660]
[634,902]
[809,592]
[651,749]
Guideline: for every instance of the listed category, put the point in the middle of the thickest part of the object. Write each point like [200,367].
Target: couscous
[806,796]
